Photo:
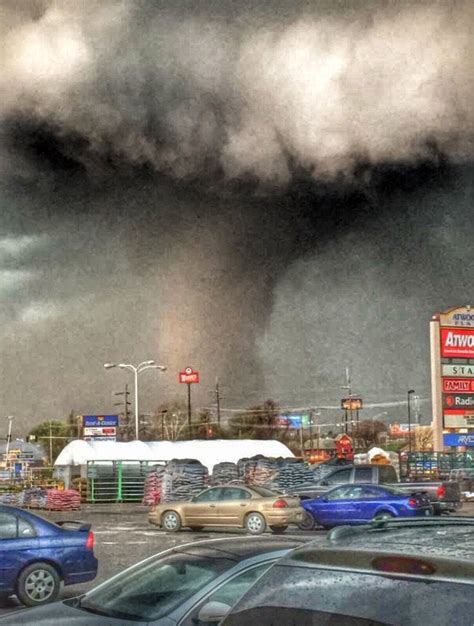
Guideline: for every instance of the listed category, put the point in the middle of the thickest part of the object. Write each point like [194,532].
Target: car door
[364,503]
[327,509]
[233,505]
[202,509]
[17,542]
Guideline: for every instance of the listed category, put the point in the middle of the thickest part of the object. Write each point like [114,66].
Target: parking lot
[124,537]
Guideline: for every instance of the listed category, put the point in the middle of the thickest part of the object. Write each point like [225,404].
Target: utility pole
[217,394]
[126,404]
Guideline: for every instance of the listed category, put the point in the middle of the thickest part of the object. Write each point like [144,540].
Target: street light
[409,394]
[9,436]
[136,369]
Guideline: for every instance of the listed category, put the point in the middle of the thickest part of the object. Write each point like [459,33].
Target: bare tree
[423,438]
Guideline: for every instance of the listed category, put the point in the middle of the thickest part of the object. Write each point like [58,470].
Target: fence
[433,465]
[117,481]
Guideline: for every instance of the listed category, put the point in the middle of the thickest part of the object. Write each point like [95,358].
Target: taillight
[441,491]
[280,504]
[403,565]
[412,502]
[90,541]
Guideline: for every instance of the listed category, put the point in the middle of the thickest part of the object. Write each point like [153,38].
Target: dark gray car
[194,584]
[402,573]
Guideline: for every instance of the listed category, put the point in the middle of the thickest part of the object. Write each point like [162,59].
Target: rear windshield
[307,596]
[263,491]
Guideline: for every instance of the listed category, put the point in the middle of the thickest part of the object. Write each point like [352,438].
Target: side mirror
[213,612]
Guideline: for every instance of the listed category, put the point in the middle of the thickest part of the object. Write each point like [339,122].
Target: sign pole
[189,408]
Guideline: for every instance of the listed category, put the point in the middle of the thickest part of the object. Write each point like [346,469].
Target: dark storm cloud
[231,92]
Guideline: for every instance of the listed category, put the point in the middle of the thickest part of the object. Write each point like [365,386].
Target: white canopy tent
[208,452]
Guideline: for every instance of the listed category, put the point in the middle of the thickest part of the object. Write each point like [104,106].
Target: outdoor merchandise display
[183,479]
[224,473]
[153,486]
[38,498]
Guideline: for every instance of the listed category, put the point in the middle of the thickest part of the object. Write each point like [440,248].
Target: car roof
[240,548]
[451,537]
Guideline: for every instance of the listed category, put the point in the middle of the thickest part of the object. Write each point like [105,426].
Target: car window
[229,593]
[363,475]
[211,495]
[278,616]
[25,529]
[8,526]
[387,474]
[153,589]
[233,493]
[342,476]
[339,494]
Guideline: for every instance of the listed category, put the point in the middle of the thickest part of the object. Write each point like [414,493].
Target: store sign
[107,431]
[461,385]
[457,342]
[189,376]
[100,438]
[459,316]
[351,404]
[458,439]
[100,420]
[458,420]
[461,371]
[458,401]
[298,421]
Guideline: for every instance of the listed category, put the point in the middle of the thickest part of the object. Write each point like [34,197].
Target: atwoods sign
[452,376]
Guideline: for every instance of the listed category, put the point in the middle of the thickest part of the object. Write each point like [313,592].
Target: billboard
[458,401]
[458,439]
[461,385]
[457,342]
[459,371]
[100,420]
[97,431]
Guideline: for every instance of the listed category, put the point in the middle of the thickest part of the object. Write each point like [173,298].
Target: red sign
[459,385]
[457,342]
[189,376]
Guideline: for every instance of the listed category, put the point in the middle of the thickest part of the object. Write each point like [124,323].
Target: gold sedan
[237,506]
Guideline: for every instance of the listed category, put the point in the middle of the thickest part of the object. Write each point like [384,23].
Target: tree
[257,422]
[53,437]
[423,438]
[171,421]
[367,433]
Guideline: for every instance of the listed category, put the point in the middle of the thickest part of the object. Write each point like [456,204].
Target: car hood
[59,613]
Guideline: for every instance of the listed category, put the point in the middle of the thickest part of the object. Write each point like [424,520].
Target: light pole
[9,436]
[409,394]
[136,369]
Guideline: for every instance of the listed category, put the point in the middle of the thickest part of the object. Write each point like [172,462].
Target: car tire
[255,524]
[196,529]
[308,522]
[39,583]
[278,530]
[171,521]
[383,515]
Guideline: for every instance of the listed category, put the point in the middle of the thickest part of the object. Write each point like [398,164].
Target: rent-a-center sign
[457,343]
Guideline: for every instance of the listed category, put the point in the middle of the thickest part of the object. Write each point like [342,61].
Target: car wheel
[278,530]
[383,515]
[171,521]
[308,522]
[196,528]
[37,584]
[255,524]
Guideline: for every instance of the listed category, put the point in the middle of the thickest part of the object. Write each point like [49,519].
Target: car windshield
[153,589]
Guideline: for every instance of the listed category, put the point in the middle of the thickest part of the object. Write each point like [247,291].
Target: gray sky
[266,191]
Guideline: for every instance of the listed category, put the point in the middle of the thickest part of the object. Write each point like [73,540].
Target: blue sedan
[37,556]
[359,504]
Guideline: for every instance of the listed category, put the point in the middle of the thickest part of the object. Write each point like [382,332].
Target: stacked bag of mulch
[11,498]
[63,499]
[35,498]
[153,486]
[183,479]
[261,471]
[292,473]
[224,472]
